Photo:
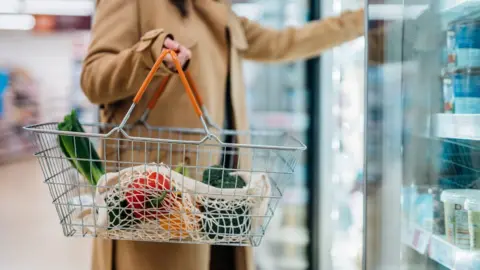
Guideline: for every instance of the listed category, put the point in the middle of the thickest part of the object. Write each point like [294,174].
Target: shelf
[460,9]
[456,126]
[394,11]
[438,249]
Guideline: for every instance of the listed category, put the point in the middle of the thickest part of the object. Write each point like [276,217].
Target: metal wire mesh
[124,204]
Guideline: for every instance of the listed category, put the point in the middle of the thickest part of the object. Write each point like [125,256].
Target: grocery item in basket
[222,222]
[456,217]
[464,39]
[183,168]
[149,194]
[112,215]
[472,205]
[79,150]
[466,90]
[220,177]
[146,203]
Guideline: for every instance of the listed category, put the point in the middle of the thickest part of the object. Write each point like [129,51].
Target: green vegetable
[220,177]
[79,150]
[120,216]
[183,170]
[219,222]
[156,202]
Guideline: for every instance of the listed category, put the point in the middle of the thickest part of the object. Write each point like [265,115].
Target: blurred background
[385,129]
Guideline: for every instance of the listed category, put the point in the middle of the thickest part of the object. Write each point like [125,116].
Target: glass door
[422,135]
[341,148]
[277,100]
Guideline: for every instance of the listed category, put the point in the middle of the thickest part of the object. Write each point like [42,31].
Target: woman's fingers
[183,54]
[171,44]
[168,60]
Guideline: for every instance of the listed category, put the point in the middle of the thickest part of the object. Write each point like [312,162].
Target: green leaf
[67,154]
[78,128]
[76,148]
[75,122]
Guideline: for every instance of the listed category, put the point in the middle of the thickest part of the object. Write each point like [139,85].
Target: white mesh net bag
[155,203]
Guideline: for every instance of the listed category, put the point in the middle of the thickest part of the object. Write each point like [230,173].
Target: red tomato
[160,180]
[143,190]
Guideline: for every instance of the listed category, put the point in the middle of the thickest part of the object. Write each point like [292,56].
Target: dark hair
[181,6]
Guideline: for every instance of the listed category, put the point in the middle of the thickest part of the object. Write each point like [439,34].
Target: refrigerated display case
[278,100]
[422,135]
[340,215]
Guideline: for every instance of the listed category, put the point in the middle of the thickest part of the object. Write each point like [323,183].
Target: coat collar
[217,12]
[221,15]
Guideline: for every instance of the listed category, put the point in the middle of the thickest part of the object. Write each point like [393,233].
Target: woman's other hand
[183,54]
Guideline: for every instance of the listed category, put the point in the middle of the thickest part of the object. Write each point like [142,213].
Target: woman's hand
[183,54]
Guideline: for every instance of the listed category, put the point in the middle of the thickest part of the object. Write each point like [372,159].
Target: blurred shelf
[457,126]
[438,249]
[459,10]
[394,11]
[292,121]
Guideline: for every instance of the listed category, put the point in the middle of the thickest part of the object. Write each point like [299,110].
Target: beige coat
[128,36]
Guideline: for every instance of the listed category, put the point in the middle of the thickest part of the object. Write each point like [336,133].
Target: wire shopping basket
[163,184]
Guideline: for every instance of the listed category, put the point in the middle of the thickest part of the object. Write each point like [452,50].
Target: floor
[30,234]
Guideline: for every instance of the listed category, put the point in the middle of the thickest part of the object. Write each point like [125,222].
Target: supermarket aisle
[30,236]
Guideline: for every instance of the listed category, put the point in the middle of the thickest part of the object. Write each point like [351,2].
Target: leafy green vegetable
[79,150]
[220,177]
[120,216]
[219,222]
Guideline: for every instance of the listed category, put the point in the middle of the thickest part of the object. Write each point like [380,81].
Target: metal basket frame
[65,183]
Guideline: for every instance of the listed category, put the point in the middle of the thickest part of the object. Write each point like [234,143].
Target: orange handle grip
[156,96]
[194,88]
[149,77]
[183,78]
[197,108]
[161,88]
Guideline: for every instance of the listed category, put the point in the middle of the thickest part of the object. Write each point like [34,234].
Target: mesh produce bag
[131,204]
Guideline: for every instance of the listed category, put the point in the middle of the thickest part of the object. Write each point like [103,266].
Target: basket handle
[149,78]
[163,85]
[196,93]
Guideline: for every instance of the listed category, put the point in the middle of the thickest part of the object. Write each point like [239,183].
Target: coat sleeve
[297,43]
[119,57]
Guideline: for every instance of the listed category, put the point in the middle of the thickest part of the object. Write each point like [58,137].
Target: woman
[128,36]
